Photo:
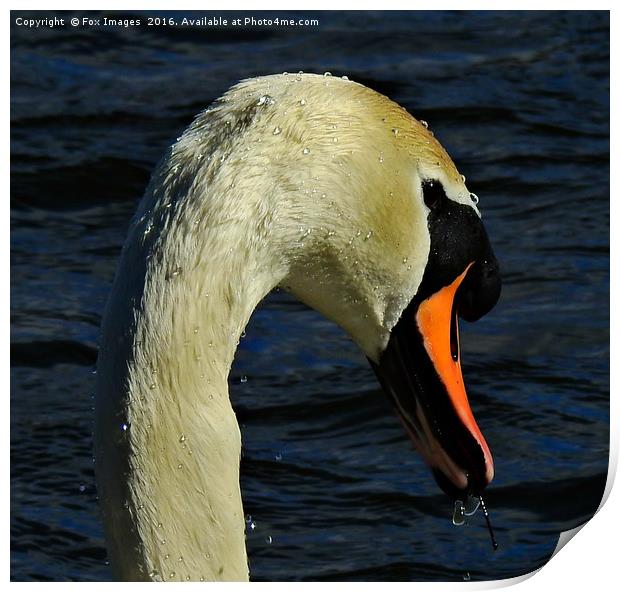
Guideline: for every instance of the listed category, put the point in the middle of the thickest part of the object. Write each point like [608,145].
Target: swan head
[388,242]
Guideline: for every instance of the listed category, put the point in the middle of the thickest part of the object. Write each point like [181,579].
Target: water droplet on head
[368,235]
[266,100]
[182,438]
[306,151]
[395,131]
[424,123]
[345,77]
[327,74]
[277,131]
[474,198]
[381,157]
[302,102]
[463,178]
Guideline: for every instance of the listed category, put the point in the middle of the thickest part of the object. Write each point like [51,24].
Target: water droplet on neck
[381,157]
[302,102]
[268,540]
[368,235]
[345,77]
[424,123]
[306,151]
[277,131]
[395,131]
[327,74]
[243,379]
[474,198]
[176,271]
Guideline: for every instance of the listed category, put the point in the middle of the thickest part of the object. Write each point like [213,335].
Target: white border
[587,562]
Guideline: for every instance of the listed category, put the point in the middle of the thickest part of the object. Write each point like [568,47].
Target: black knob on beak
[480,289]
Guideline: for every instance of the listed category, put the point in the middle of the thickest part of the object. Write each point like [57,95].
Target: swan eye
[434,194]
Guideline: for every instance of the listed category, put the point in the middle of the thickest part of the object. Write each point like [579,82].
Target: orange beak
[437,322]
[421,372]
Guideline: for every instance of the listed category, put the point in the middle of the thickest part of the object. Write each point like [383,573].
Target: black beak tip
[454,492]
[451,490]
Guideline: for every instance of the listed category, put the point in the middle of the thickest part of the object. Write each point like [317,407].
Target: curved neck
[167,440]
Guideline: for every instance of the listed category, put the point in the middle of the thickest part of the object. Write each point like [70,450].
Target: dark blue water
[521,102]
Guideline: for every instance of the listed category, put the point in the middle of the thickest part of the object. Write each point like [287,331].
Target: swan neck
[167,442]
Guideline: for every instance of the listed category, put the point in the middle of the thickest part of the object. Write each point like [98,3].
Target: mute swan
[331,190]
